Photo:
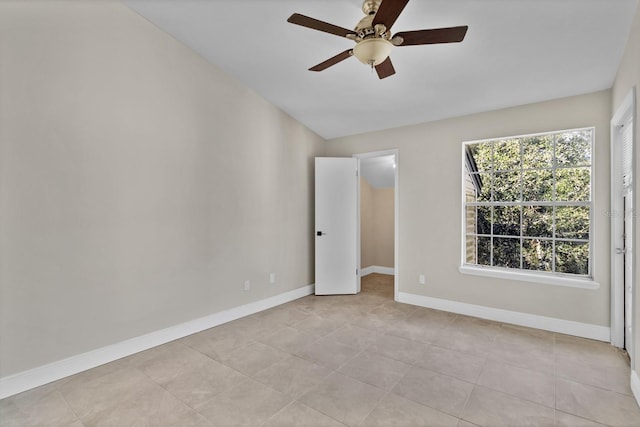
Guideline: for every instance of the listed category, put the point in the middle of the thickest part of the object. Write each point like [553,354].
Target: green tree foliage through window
[528,202]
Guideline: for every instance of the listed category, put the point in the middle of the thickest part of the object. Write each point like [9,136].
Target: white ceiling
[515,52]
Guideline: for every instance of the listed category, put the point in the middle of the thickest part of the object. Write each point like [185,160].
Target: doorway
[379,219]
[622,230]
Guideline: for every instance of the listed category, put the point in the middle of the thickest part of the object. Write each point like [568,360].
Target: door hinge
[357,172]
[356,271]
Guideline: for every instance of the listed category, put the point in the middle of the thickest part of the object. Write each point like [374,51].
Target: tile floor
[360,360]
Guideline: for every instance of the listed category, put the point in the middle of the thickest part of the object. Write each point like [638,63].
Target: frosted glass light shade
[372,51]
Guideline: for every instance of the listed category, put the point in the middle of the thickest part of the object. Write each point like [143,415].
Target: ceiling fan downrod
[370,7]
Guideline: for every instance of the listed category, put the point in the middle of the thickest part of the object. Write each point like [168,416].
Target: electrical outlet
[421,279]
[247,285]
[272,278]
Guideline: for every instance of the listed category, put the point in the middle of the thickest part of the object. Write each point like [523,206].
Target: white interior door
[337,234]
[622,228]
[628,271]
[627,194]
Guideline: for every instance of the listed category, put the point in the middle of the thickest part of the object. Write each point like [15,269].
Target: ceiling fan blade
[388,12]
[332,61]
[434,36]
[385,68]
[315,24]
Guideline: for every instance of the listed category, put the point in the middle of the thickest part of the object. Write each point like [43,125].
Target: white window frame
[551,278]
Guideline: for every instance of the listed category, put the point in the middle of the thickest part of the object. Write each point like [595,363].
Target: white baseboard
[585,330]
[26,380]
[635,386]
[377,269]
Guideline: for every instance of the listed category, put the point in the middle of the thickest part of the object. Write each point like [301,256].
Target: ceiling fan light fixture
[372,51]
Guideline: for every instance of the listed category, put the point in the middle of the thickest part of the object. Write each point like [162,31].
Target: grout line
[279,411]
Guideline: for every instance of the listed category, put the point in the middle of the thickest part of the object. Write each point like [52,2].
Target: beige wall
[429,168]
[376,226]
[629,76]
[383,206]
[139,185]
[367,234]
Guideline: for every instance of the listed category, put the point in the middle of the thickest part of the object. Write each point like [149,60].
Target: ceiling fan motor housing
[365,29]
[372,42]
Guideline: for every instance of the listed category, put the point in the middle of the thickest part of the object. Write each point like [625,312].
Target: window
[527,203]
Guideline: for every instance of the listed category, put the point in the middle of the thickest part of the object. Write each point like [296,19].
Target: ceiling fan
[373,35]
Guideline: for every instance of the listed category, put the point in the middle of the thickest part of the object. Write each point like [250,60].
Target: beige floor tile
[284,315]
[414,328]
[486,329]
[300,415]
[255,325]
[399,348]
[105,392]
[589,351]
[218,342]
[342,314]
[396,411]
[368,320]
[253,358]
[289,340]
[519,339]
[317,325]
[453,363]
[293,376]
[523,334]
[407,309]
[494,409]
[611,377]
[202,381]
[310,304]
[441,392]
[166,362]
[10,415]
[524,383]
[330,353]
[391,312]
[190,375]
[74,424]
[152,406]
[465,341]
[354,336]
[567,420]
[523,356]
[604,406]
[434,317]
[376,370]
[344,399]
[192,419]
[93,373]
[42,406]
[463,423]
[248,404]
[379,316]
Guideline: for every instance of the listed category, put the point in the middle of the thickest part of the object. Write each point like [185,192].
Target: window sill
[585,283]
